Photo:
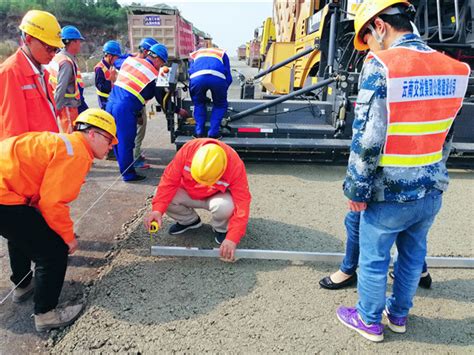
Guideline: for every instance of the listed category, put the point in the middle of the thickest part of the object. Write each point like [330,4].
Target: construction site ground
[137,303]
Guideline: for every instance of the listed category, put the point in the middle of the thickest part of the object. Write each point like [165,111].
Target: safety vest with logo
[107,75]
[425,90]
[134,75]
[54,72]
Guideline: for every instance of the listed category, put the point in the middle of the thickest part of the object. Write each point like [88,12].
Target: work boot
[22,294]
[57,318]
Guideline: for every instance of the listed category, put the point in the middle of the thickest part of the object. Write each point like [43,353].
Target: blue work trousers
[102,102]
[198,89]
[126,122]
[381,225]
[351,258]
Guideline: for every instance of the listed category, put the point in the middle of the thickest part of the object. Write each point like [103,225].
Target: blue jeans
[351,258]
[382,224]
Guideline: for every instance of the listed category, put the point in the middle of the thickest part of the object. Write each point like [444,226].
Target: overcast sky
[230,23]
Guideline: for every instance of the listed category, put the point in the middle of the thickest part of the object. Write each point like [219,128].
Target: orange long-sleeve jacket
[177,175]
[24,106]
[46,171]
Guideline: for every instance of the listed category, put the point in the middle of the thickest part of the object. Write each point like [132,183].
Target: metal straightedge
[432,261]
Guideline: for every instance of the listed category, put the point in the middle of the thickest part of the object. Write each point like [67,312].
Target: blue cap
[70,33]
[161,51]
[147,42]
[112,47]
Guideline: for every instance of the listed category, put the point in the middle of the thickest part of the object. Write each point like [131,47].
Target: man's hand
[72,245]
[113,74]
[153,216]
[227,251]
[355,206]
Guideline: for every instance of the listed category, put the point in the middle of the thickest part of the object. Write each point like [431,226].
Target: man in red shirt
[208,174]
[26,98]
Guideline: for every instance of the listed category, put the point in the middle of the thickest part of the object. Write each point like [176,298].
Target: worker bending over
[40,174]
[209,70]
[208,174]
[26,97]
[105,73]
[136,83]
[66,79]
[408,98]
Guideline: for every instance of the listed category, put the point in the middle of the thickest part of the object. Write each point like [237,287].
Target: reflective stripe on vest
[53,69]
[207,71]
[67,142]
[107,74]
[134,75]
[208,52]
[425,91]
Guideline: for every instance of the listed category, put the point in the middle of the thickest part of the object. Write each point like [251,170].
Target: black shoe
[425,281]
[136,178]
[328,284]
[195,136]
[219,236]
[218,137]
[179,228]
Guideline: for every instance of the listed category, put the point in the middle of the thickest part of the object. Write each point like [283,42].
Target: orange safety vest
[425,90]
[54,71]
[208,52]
[107,74]
[134,75]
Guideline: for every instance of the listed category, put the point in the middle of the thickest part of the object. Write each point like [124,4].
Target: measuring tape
[154,228]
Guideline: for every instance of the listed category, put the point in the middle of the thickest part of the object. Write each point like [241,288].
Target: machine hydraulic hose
[286,61]
[278,100]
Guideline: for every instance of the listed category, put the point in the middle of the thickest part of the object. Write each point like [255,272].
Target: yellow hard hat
[100,119]
[208,164]
[365,12]
[43,26]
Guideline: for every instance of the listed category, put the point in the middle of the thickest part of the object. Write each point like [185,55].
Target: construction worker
[346,275]
[134,86]
[138,156]
[66,79]
[41,173]
[209,70]
[409,96]
[208,174]
[105,73]
[26,99]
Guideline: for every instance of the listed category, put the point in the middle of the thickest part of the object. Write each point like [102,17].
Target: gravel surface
[149,304]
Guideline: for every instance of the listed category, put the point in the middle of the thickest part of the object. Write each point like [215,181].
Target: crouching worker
[208,174]
[40,173]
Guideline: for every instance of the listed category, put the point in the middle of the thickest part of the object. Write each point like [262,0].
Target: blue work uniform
[209,70]
[126,107]
[102,83]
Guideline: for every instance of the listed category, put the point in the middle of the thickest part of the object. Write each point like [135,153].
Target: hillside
[98,21]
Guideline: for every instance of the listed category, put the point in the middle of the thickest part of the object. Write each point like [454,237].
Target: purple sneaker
[396,324]
[350,318]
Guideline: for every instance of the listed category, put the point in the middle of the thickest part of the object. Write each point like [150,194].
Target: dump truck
[166,24]
[310,117]
[241,52]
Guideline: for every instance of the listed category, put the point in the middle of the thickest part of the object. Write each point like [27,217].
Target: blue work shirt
[212,63]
